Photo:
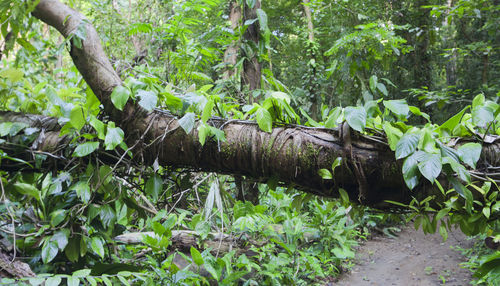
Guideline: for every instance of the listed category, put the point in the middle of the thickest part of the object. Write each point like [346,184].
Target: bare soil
[410,259]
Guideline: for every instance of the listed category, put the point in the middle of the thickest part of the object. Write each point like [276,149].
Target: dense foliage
[442,57]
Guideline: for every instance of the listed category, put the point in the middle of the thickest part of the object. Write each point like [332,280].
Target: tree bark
[289,154]
[251,65]
[231,53]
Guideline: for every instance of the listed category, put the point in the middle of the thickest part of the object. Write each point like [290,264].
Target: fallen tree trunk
[289,154]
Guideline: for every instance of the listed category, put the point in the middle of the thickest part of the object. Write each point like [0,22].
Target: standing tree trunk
[231,53]
[251,67]
[311,79]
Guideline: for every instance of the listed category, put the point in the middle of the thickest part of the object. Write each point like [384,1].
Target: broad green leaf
[207,111]
[5,128]
[410,170]
[114,136]
[430,166]
[281,95]
[154,186]
[393,134]
[72,281]
[99,127]
[451,123]
[77,117]
[382,88]
[82,191]
[458,168]
[187,122]
[470,153]
[336,163]
[13,74]
[72,250]
[482,116]
[417,112]
[57,216]
[119,96]
[373,83]
[407,145]
[49,251]
[84,149]
[427,142]
[325,174]
[148,99]
[398,107]
[443,232]
[203,132]
[53,281]
[61,238]
[27,189]
[262,16]
[196,255]
[264,119]
[478,100]
[82,273]
[97,246]
[356,117]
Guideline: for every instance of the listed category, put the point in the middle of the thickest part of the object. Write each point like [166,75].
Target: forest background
[100,205]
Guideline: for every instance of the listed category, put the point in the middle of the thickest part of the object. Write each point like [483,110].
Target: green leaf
[207,111]
[13,74]
[427,142]
[72,281]
[281,95]
[407,145]
[393,134]
[430,166]
[72,250]
[451,123]
[82,273]
[53,281]
[356,117]
[203,132]
[478,101]
[49,251]
[77,117]
[82,191]
[57,216]
[154,186]
[373,83]
[5,128]
[410,170]
[97,246]
[84,149]
[470,153]
[264,119]
[398,107]
[187,122]
[482,116]
[61,238]
[99,127]
[196,255]
[382,88]
[27,189]
[325,174]
[114,137]
[119,96]
[262,16]
[148,99]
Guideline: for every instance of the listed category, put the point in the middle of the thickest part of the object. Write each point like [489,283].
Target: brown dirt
[410,259]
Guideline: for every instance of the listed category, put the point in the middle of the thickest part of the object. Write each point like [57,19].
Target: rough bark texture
[251,66]
[290,154]
[231,53]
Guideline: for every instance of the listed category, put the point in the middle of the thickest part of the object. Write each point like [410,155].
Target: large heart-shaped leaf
[356,117]
[407,145]
[430,166]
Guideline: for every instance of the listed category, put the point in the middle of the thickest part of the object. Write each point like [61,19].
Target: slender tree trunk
[311,82]
[251,67]
[231,53]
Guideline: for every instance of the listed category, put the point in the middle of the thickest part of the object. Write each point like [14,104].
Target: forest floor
[410,259]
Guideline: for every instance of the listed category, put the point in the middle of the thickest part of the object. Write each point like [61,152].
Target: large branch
[290,154]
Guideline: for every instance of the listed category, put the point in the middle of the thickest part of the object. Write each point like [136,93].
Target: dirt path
[411,259]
